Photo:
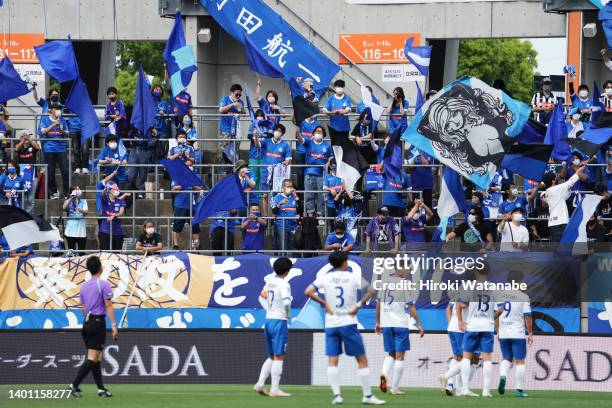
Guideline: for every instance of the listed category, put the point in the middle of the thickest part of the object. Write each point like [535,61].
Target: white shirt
[609,65]
[453,324]
[278,295]
[512,233]
[340,289]
[393,311]
[479,316]
[512,320]
[555,196]
[75,223]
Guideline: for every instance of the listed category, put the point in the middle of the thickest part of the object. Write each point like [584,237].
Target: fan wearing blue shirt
[334,186]
[270,104]
[337,107]
[422,177]
[160,126]
[182,151]
[115,112]
[413,226]
[284,207]
[515,200]
[12,185]
[53,98]
[229,106]
[182,105]
[581,101]
[53,127]
[397,110]
[394,188]
[275,151]
[222,231]
[253,230]
[188,126]
[262,130]
[80,152]
[306,128]
[339,239]
[183,212]
[318,153]
[111,157]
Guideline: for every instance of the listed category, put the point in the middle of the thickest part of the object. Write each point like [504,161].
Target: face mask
[76,193]
[583,94]
[54,98]
[58,113]
[288,190]
[547,88]
[278,135]
[112,98]
[150,230]
[475,200]
[576,117]
[181,141]
[259,120]
[416,216]
[333,167]
[609,92]
[514,192]
[112,146]
[157,94]
[12,170]
[318,137]
[339,236]
[340,90]
[575,162]
[190,168]
[116,193]
[187,122]
[382,220]
[256,213]
[271,100]
[472,218]
[517,217]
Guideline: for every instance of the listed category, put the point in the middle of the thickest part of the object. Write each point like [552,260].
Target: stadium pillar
[451,58]
[108,55]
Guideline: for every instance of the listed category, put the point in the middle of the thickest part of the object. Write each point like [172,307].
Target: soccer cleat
[84,170]
[442,380]
[54,196]
[337,400]
[372,400]
[468,393]
[397,392]
[261,390]
[501,387]
[520,394]
[77,171]
[487,394]
[383,383]
[449,390]
[74,391]
[279,393]
[104,393]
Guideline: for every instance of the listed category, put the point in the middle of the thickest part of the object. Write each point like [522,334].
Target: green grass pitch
[242,396]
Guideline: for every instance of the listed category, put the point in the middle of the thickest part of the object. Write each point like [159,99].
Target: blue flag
[1,3]
[11,84]
[468,126]
[528,160]
[392,159]
[179,58]
[78,101]
[250,109]
[556,132]
[258,63]
[451,202]
[145,107]
[418,56]
[533,132]
[598,107]
[605,16]
[273,39]
[576,229]
[58,60]
[181,175]
[226,195]
[420,99]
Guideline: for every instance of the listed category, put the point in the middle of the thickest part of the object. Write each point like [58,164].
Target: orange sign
[20,47]
[375,48]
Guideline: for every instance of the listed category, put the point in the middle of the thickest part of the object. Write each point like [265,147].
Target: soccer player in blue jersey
[340,287]
[276,300]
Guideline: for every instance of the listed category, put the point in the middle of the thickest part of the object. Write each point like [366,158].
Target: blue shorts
[456,341]
[395,339]
[473,341]
[513,348]
[276,334]
[347,335]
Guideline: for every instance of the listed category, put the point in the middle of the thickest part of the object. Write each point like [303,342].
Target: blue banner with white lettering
[274,39]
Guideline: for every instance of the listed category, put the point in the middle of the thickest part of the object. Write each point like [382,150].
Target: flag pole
[127,304]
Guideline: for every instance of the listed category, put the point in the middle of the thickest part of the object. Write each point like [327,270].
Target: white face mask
[514,192]
[278,135]
[576,117]
[339,236]
[288,190]
[517,217]
[575,162]
[609,92]
[416,216]
[76,193]
[583,94]
[318,137]
[475,200]
[112,146]
[271,100]
[150,230]
[472,218]
[116,193]
[339,90]
[181,141]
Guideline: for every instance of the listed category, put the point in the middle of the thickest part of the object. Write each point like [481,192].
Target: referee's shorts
[94,332]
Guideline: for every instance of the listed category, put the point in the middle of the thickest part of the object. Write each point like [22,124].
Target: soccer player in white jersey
[340,288]
[393,322]
[514,318]
[276,299]
[476,317]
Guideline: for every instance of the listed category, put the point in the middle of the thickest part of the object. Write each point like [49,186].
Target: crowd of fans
[292,202]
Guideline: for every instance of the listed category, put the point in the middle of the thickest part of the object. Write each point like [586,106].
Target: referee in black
[96,295]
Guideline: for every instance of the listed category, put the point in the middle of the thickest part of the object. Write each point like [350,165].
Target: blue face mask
[187,122]
[12,170]
[333,167]
[157,94]
[256,213]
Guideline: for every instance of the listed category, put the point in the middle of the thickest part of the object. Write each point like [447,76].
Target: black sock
[96,371]
[83,371]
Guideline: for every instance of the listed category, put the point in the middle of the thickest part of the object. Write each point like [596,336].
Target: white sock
[520,376]
[386,368]
[264,373]
[504,367]
[454,369]
[277,371]
[364,378]
[398,371]
[332,377]
[465,373]
[458,382]
[473,369]
[487,370]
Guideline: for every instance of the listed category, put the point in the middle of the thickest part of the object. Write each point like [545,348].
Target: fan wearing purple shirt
[96,295]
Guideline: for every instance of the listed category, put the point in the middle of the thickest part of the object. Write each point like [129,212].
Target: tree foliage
[511,60]
[132,54]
